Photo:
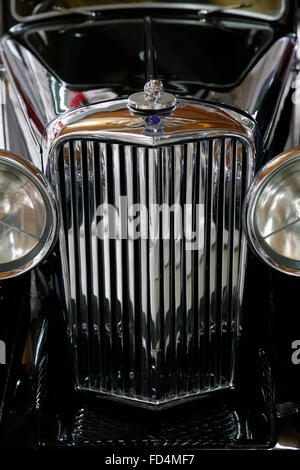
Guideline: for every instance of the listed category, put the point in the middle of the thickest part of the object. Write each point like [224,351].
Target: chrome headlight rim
[50,232]
[277,164]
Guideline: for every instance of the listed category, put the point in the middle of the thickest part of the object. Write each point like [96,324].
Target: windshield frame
[145,5]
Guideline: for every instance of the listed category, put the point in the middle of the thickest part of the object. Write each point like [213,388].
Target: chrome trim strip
[4,131]
[113,121]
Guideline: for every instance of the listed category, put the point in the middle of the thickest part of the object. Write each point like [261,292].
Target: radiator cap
[152,99]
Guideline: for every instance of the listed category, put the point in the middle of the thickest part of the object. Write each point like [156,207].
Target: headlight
[27,216]
[273,213]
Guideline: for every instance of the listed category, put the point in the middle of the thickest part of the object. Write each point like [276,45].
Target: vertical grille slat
[155,284]
[189,266]
[144,360]
[224,311]
[154,267]
[215,238]
[167,279]
[104,271]
[79,194]
[202,338]
[79,262]
[130,266]
[206,349]
[177,268]
[232,254]
[117,281]
[92,261]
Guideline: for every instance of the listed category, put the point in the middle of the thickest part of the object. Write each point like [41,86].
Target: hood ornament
[154,98]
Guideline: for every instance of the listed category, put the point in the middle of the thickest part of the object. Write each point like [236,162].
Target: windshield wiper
[76,11]
[211,11]
[47,5]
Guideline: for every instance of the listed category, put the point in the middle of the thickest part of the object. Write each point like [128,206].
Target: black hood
[58,67]
[187,55]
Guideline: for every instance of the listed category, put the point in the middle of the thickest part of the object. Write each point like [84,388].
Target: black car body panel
[54,68]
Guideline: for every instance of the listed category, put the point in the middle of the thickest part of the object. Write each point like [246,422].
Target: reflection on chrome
[23,215]
[160,320]
[273,213]
[27,216]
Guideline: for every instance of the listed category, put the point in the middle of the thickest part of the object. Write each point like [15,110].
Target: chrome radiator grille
[154,318]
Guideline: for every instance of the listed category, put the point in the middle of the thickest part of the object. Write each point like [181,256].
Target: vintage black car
[149,224]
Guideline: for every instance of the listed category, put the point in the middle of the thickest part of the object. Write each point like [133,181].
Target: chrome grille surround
[150,321]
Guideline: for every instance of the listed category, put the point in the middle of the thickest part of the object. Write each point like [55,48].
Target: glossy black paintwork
[39,404]
[12,322]
[111,53]
[113,56]
[213,55]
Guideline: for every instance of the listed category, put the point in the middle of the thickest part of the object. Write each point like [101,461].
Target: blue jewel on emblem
[152,120]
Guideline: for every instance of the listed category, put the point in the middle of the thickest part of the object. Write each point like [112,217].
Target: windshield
[30,9]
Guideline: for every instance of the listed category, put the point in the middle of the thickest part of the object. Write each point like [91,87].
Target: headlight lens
[27,216]
[273,213]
